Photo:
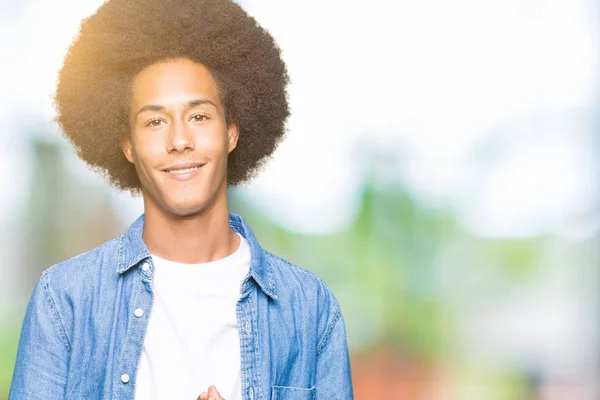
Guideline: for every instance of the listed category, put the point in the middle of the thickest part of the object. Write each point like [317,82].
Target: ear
[127,147]
[233,135]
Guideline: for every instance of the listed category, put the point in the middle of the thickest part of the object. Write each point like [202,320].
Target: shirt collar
[133,250]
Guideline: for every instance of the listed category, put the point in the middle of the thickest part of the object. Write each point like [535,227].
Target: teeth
[181,171]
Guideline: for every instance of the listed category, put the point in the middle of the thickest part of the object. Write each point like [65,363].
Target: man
[177,100]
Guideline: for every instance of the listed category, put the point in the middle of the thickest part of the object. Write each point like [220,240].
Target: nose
[180,138]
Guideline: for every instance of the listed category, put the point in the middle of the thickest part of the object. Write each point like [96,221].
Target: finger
[212,391]
[203,396]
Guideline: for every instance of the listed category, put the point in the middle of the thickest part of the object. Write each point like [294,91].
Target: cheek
[149,149]
[213,143]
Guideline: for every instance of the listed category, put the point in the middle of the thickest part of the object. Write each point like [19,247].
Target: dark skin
[179,145]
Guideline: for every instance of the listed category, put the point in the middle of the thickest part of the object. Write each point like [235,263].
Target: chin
[185,212]
[181,203]
[185,209]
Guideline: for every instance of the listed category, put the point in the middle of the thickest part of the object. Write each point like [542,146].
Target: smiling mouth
[182,170]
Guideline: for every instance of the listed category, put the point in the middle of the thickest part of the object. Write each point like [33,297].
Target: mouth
[178,171]
[183,171]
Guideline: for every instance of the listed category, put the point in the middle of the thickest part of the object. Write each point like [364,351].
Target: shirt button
[124,378]
[138,312]
[145,267]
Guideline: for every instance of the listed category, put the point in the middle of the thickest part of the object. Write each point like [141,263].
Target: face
[179,139]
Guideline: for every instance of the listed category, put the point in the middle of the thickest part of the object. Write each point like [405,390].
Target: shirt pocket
[293,393]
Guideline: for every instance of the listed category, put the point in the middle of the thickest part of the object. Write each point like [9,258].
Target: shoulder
[303,291]
[86,268]
[290,277]
[74,284]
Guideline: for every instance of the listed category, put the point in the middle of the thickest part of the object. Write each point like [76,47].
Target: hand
[211,394]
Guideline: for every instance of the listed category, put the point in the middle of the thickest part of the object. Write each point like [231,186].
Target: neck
[203,237]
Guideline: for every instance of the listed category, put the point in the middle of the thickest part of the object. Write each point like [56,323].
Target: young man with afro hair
[176,100]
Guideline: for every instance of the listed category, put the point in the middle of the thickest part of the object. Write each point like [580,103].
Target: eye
[153,122]
[199,118]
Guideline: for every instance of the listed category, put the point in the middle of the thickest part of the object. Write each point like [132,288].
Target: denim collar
[133,250]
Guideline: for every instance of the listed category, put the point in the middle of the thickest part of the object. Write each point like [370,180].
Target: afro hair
[125,36]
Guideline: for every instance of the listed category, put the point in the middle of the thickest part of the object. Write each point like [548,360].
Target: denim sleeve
[43,353]
[334,380]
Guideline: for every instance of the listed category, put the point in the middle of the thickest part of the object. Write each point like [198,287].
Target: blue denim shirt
[81,339]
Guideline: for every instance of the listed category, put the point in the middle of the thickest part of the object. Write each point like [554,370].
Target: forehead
[173,82]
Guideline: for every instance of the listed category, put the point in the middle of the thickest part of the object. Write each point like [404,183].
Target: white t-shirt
[192,339]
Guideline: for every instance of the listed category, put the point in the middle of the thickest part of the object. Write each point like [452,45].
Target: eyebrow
[158,107]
